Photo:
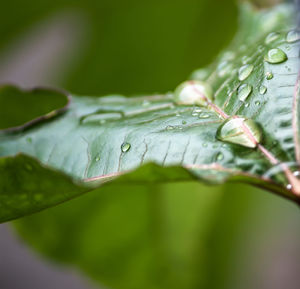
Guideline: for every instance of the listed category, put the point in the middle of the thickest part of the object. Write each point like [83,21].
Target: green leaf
[99,139]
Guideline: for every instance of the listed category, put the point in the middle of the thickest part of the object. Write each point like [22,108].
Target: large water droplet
[275,55]
[244,91]
[125,147]
[293,36]
[262,89]
[193,92]
[245,71]
[272,37]
[239,130]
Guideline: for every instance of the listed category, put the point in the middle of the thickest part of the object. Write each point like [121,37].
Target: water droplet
[170,127]
[274,142]
[183,122]
[204,144]
[204,115]
[257,103]
[239,130]
[197,109]
[244,91]
[262,89]
[193,92]
[29,139]
[247,104]
[293,36]
[146,103]
[224,68]
[245,59]
[275,55]
[296,173]
[269,75]
[200,74]
[97,159]
[194,113]
[245,71]
[289,186]
[219,157]
[125,147]
[272,37]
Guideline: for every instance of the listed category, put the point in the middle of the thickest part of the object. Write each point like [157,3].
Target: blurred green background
[164,236]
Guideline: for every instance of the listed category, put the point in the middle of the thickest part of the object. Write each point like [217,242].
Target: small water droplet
[245,71]
[296,173]
[269,75]
[200,74]
[289,186]
[275,55]
[239,130]
[194,113]
[247,104]
[125,147]
[204,144]
[197,109]
[170,127]
[293,36]
[274,142]
[146,103]
[271,37]
[193,92]
[262,89]
[29,139]
[224,68]
[244,91]
[219,156]
[204,115]
[97,159]
[183,122]
[257,103]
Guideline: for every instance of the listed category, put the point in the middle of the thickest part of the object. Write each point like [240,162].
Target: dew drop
[200,74]
[29,139]
[193,92]
[269,75]
[194,113]
[247,104]
[289,186]
[239,130]
[204,144]
[183,122]
[293,36]
[271,37]
[245,71]
[170,127]
[275,55]
[219,156]
[197,110]
[97,159]
[296,173]
[204,115]
[257,103]
[224,68]
[262,89]
[146,103]
[244,91]
[125,147]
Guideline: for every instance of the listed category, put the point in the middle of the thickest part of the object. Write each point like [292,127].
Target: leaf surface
[98,139]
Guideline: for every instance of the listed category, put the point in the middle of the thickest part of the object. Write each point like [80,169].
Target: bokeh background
[167,236]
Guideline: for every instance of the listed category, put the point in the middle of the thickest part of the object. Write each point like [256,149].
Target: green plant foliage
[98,139]
[128,231]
